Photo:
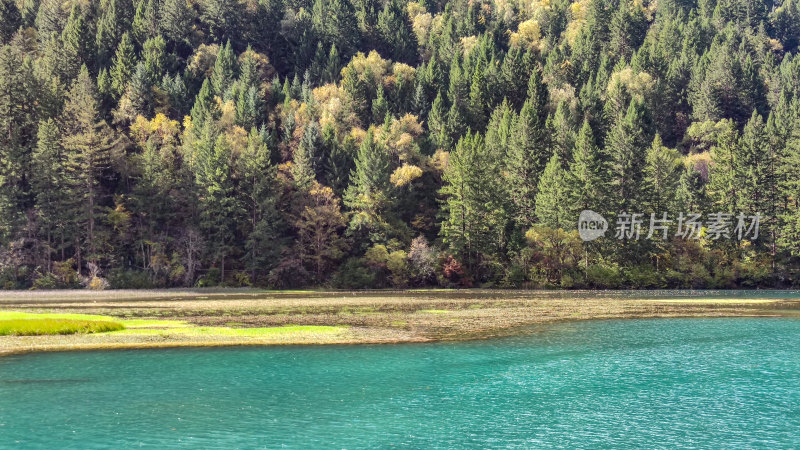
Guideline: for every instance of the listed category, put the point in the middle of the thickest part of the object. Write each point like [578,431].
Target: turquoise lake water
[666,383]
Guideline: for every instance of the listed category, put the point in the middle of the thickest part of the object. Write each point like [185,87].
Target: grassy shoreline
[238,317]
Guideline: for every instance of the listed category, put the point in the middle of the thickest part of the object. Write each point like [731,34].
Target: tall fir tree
[790,169]
[257,187]
[88,143]
[79,45]
[222,19]
[529,152]
[724,174]
[437,120]
[205,107]
[10,20]
[552,205]
[758,182]
[334,24]
[626,152]
[369,194]
[176,21]
[397,38]
[306,157]
[472,208]
[124,65]
[588,175]
[221,212]
[52,190]
[225,70]
[19,115]
[661,176]
[114,22]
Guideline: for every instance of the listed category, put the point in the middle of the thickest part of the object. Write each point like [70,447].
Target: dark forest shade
[367,143]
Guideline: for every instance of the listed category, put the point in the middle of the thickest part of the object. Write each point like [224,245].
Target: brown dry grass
[370,317]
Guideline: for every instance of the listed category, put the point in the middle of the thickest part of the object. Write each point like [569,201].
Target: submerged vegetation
[394,143]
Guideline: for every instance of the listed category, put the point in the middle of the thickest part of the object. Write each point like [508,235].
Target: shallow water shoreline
[214,318]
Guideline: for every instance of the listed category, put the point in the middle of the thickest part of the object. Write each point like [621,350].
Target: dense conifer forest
[395,143]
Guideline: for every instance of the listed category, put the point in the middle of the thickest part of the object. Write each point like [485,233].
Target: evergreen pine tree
[10,20]
[513,74]
[473,213]
[478,99]
[419,104]
[380,107]
[333,66]
[334,24]
[339,160]
[724,174]
[757,189]
[790,169]
[50,184]
[369,194]
[661,176]
[78,43]
[396,36]
[221,211]
[50,18]
[20,94]
[154,56]
[222,19]
[124,65]
[754,168]
[562,132]
[112,26]
[257,188]
[224,70]
[587,182]
[552,196]
[146,21]
[140,91]
[626,152]
[528,153]
[87,145]
[437,122]
[306,157]
[205,107]
[176,20]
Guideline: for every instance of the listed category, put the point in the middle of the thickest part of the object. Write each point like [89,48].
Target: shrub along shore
[166,318]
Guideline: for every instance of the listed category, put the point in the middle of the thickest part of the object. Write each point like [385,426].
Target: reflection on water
[669,383]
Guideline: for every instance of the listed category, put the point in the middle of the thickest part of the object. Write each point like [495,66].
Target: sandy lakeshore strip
[176,318]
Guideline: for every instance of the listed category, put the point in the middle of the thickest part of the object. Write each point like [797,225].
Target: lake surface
[668,383]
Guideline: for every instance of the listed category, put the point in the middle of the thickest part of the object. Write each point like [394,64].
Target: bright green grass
[148,323]
[10,315]
[128,323]
[40,327]
[149,327]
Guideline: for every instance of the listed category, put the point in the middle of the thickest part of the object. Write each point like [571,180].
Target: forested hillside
[369,143]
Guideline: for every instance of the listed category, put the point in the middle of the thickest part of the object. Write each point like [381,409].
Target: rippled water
[677,382]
